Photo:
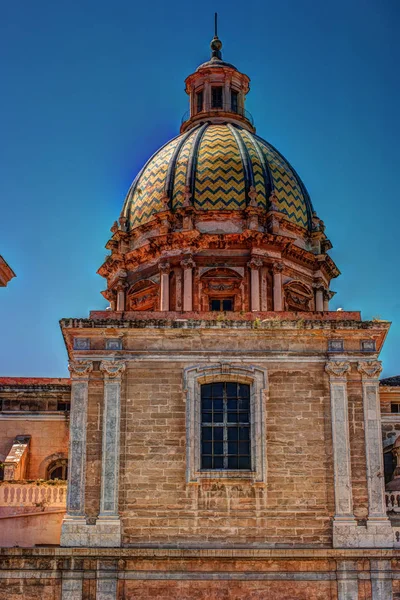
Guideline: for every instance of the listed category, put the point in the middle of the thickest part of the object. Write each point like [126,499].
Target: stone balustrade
[392,501]
[33,494]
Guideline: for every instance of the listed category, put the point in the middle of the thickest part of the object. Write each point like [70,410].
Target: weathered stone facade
[225,435]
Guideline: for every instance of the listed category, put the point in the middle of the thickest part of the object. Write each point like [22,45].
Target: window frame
[220,104]
[256,377]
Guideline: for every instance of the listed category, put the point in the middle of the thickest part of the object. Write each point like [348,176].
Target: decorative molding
[337,368]
[225,371]
[81,343]
[370,369]
[80,368]
[255,263]
[164,268]
[112,368]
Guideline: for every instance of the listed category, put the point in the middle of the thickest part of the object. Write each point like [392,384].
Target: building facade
[225,431]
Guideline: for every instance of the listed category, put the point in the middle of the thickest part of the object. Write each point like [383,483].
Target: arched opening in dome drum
[221,290]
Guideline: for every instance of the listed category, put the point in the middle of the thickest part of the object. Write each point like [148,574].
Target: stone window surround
[256,377]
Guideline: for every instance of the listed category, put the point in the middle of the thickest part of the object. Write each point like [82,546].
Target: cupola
[217,92]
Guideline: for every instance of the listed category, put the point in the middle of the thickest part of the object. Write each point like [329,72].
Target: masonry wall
[294,507]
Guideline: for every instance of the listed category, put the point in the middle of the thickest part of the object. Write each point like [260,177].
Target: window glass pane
[218,447]
[225,442]
[244,433]
[231,390]
[218,404]
[244,462]
[207,433]
[218,462]
[234,101]
[199,101]
[206,462]
[207,448]
[206,390]
[232,462]
[215,304]
[227,304]
[218,433]
[395,408]
[216,97]
[217,390]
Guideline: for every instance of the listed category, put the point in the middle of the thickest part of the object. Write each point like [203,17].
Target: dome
[217,167]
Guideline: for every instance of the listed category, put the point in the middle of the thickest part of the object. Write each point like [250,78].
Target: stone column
[188,265]
[381,580]
[164,270]
[344,524]
[347,580]
[72,585]
[178,289]
[378,525]
[227,95]
[80,371]
[120,289]
[255,265]
[319,297]
[207,95]
[113,370]
[277,269]
[264,289]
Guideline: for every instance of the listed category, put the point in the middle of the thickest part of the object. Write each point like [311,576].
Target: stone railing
[33,495]
[392,501]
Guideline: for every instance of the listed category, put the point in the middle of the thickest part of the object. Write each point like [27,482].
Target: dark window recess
[64,406]
[216,97]
[1,404]
[221,304]
[234,101]
[199,101]
[225,426]
[58,470]
[395,408]
[389,463]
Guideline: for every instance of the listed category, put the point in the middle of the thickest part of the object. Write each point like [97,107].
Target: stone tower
[225,437]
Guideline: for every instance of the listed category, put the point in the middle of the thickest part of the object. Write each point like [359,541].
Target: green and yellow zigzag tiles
[290,197]
[150,187]
[219,177]
[219,181]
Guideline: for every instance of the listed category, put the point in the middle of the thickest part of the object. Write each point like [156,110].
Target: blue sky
[91,88]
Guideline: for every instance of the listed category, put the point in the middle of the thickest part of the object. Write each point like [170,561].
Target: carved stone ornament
[337,368]
[370,369]
[188,263]
[253,197]
[273,201]
[80,368]
[165,202]
[255,263]
[187,197]
[277,267]
[164,268]
[112,368]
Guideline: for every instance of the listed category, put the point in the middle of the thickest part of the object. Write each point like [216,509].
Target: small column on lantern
[120,289]
[164,270]
[328,295]
[319,297]
[255,265]
[277,269]
[188,265]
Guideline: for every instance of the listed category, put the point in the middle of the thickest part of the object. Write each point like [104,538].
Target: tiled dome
[214,167]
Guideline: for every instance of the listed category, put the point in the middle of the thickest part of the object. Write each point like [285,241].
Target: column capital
[164,267]
[80,369]
[370,369]
[337,369]
[328,295]
[112,369]
[277,267]
[188,262]
[255,263]
[319,286]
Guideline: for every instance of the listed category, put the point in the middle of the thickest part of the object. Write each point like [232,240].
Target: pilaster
[347,580]
[379,529]
[255,265]
[188,265]
[164,300]
[113,370]
[75,515]
[278,300]
[381,580]
[344,523]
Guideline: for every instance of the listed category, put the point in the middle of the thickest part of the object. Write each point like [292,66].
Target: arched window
[58,469]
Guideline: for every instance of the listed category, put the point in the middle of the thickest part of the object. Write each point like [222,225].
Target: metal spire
[216,43]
